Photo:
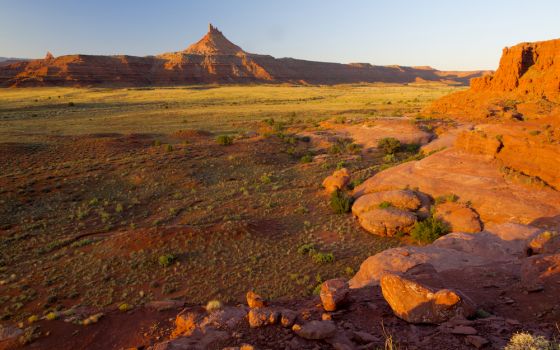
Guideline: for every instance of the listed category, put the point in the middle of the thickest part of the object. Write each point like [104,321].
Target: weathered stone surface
[288,318]
[537,269]
[459,217]
[417,303]
[197,341]
[260,317]
[404,258]
[333,293]
[316,330]
[473,178]
[336,181]
[476,341]
[547,242]
[402,199]
[191,320]
[387,221]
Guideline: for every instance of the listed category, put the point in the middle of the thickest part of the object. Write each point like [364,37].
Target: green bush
[308,158]
[429,230]
[308,248]
[224,140]
[389,145]
[340,202]
[385,205]
[166,260]
[323,258]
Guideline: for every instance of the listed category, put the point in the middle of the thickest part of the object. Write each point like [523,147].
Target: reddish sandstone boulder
[337,181]
[387,221]
[402,199]
[260,317]
[254,300]
[333,293]
[459,217]
[416,303]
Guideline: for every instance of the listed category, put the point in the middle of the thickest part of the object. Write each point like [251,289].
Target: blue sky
[446,34]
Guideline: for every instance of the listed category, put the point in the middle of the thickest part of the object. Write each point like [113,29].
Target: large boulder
[402,199]
[337,181]
[402,259]
[191,320]
[387,221]
[417,303]
[333,293]
[459,217]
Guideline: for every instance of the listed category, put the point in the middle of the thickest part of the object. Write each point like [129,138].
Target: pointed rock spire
[214,43]
[49,56]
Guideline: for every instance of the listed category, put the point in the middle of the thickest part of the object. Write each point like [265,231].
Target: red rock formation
[528,73]
[213,59]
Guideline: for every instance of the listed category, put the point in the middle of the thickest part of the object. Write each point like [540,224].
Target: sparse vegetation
[340,202]
[166,260]
[429,230]
[527,341]
[389,145]
[224,140]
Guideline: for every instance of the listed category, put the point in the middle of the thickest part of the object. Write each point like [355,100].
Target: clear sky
[445,34]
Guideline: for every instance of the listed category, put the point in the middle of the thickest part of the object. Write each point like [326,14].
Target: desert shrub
[429,230]
[385,205]
[166,260]
[224,140]
[157,143]
[125,307]
[452,197]
[527,341]
[389,145]
[340,202]
[323,258]
[71,104]
[308,248]
[410,147]
[389,158]
[168,148]
[308,158]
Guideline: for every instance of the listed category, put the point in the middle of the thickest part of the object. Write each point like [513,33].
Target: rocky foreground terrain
[213,59]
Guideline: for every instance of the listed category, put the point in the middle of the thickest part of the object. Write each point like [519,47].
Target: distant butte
[213,59]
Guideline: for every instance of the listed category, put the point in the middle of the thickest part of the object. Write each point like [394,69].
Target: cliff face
[528,73]
[213,59]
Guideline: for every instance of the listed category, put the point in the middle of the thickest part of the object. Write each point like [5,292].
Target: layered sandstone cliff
[213,59]
[527,82]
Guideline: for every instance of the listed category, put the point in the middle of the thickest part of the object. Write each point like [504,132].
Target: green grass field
[26,113]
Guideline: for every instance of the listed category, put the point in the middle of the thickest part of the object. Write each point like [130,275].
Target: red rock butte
[213,59]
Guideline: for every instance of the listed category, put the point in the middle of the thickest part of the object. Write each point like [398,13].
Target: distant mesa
[213,59]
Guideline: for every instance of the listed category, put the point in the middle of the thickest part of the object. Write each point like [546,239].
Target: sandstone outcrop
[473,178]
[387,221]
[337,181]
[459,217]
[333,293]
[528,72]
[417,303]
[213,59]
